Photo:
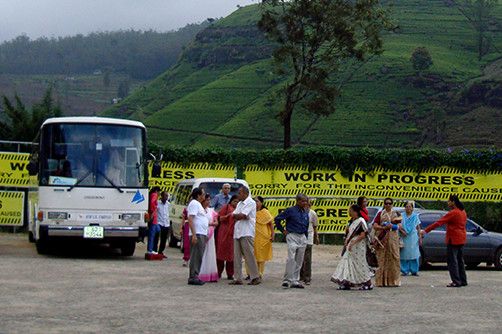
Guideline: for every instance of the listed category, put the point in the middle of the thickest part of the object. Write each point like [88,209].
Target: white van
[181,197]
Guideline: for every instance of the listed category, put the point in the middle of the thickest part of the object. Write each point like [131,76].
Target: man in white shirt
[163,221]
[198,224]
[244,231]
[312,238]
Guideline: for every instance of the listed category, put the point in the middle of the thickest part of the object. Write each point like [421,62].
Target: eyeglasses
[388,203]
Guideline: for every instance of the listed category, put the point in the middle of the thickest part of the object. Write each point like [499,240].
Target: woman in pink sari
[208,269]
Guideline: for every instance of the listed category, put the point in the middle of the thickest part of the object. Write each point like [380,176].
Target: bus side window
[131,166]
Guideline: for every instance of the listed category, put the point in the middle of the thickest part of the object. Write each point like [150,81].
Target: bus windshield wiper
[109,181]
[80,180]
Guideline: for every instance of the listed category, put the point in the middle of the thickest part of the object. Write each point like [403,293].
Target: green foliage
[313,38]
[141,54]
[22,124]
[123,89]
[421,59]
[368,159]
[479,14]
[378,106]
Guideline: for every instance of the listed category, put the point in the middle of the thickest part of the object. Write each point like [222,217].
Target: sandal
[453,285]
[366,287]
[343,287]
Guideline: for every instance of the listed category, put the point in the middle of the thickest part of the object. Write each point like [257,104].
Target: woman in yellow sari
[386,225]
[264,235]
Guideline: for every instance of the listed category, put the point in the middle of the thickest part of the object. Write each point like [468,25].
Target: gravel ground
[100,291]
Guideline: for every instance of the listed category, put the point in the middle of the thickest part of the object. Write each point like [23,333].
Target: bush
[421,59]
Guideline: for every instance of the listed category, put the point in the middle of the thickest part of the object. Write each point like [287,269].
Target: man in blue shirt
[222,198]
[297,223]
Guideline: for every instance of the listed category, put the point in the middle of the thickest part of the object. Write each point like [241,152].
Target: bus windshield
[92,155]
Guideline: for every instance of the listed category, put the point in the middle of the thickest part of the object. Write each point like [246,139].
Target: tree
[106,77]
[421,59]
[123,89]
[313,38]
[479,14]
[22,124]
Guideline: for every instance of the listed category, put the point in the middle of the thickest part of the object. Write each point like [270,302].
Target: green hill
[219,92]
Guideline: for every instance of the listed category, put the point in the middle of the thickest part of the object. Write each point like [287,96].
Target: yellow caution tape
[434,184]
[13,172]
[11,208]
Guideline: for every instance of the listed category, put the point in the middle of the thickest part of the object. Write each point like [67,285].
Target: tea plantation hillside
[219,92]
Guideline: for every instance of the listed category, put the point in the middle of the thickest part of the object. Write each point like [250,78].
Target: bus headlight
[131,216]
[57,215]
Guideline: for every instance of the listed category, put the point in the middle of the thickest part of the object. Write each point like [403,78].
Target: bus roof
[93,120]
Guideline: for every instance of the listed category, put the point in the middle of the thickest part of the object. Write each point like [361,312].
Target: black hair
[360,200]
[357,209]
[246,189]
[233,197]
[155,189]
[262,201]
[454,198]
[388,199]
[207,196]
[196,192]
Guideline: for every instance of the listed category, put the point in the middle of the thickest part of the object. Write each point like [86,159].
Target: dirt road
[101,292]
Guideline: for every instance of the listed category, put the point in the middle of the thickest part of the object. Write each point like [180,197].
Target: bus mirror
[32,168]
[156,169]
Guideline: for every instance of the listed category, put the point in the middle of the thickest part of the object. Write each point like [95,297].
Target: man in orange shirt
[456,235]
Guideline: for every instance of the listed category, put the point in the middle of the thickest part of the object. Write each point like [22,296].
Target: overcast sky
[53,18]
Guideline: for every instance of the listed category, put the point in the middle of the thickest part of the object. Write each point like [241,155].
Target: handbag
[371,257]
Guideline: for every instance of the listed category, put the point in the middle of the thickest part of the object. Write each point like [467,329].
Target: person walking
[198,224]
[386,226]
[225,242]
[410,252]
[264,235]
[312,238]
[164,225]
[353,269]
[244,231]
[297,222]
[456,235]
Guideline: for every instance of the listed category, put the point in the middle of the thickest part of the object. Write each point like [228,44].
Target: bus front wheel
[128,247]
[42,245]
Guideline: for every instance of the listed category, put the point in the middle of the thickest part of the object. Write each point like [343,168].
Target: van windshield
[214,188]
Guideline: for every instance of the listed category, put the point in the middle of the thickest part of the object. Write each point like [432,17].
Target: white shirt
[199,217]
[163,214]
[313,221]
[245,227]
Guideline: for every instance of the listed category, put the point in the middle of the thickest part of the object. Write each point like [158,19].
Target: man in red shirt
[153,226]
[456,235]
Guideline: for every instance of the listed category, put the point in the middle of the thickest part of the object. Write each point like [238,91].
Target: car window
[182,194]
[427,219]
[372,212]
[470,226]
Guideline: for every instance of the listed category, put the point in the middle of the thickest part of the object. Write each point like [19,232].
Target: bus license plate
[94,232]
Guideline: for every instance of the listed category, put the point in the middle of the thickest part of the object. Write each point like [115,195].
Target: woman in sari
[264,235]
[208,269]
[386,226]
[353,269]
[362,201]
[410,252]
[225,241]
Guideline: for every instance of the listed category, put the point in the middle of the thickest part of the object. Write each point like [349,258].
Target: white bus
[92,182]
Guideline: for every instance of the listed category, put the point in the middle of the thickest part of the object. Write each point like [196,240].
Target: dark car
[481,245]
